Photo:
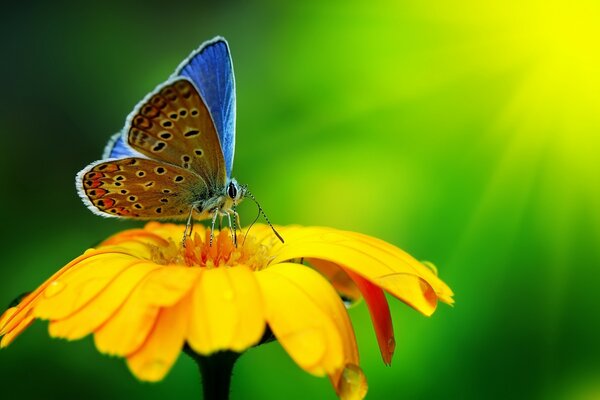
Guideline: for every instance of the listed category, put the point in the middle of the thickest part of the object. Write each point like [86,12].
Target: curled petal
[338,278]
[381,263]
[380,316]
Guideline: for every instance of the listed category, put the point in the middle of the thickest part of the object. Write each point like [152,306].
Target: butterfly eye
[232,190]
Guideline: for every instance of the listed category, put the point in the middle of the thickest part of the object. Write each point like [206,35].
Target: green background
[465,132]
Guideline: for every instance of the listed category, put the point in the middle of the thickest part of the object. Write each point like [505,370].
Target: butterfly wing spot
[178,179]
[166,191]
[184,89]
[150,111]
[169,93]
[173,116]
[194,112]
[94,175]
[159,210]
[142,122]
[159,146]
[191,133]
[158,102]
[107,168]
[118,184]
[167,124]
[132,198]
[198,152]
[164,200]
[149,184]
[183,112]
[160,170]
[97,192]
[123,191]
[138,206]
[185,161]
[105,203]
[93,184]
[139,138]
[166,136]
[141,173]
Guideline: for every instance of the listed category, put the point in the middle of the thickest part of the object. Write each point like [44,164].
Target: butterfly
[173,159]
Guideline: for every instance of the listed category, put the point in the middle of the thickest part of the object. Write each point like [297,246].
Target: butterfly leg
[212,226]
[189,226]
[232,227]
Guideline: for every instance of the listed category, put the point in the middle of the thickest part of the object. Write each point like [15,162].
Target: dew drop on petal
[54,288]
[349,302]
[391,345]
[431,266]
[353,384]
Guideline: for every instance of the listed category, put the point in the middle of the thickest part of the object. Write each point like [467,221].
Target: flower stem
[216,371]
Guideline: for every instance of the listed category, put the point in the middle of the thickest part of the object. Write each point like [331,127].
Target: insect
[173,159]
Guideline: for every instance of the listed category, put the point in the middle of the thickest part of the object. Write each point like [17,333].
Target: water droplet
[353,383]
[348,301]
[391,345]
[431,266]
[54,288]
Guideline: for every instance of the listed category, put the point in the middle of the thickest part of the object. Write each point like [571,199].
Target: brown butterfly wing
[174,125]
[140,188]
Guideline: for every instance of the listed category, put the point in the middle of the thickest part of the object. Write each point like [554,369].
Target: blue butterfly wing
[117,147]
[211,70]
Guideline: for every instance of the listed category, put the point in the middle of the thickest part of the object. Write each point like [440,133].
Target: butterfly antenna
[260,210]
[251,225]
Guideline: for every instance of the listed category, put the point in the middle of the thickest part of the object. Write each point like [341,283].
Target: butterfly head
[235,191]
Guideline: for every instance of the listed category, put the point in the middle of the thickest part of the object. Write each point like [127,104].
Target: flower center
[199,252]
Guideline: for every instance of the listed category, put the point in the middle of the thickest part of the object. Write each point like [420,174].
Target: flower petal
[98,304]
[25,306]
[125,331]
[380,315]
[154,359]
[16,330]
[338,277]
[317,333]
[227,311]
[379,262]
[77,287]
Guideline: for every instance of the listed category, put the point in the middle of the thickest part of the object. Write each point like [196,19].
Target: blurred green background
[465,132]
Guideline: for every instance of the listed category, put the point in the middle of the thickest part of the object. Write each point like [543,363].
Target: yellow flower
[144,296]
